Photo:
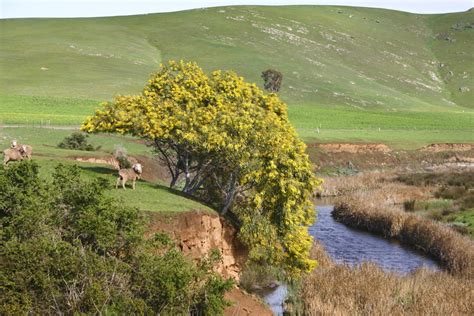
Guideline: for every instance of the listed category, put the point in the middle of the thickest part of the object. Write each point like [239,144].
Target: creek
[353,247]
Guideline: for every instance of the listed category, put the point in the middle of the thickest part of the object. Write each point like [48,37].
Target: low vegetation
[77,141]
[67,248]
[453,198]
[335,289]
[441,196]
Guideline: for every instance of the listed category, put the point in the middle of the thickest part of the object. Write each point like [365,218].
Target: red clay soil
[153,170]
[108,160]
[198,232]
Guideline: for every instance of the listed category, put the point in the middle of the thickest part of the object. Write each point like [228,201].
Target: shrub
[258,276]
[272,80]
[120,153]
[76,141]
[69,249]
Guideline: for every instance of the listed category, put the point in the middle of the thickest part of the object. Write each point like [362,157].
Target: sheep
[12,154]
[133,174]
[26,151]
[17,153]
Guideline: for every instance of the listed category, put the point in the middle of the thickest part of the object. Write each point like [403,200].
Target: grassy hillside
[328,55]
[148,196]
[358,62]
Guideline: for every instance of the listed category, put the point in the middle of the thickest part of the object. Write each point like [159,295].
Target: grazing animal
[26,150]
[12,154]
[17,152]
[133,174]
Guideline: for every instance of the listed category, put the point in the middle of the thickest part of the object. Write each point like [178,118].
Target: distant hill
[329,56]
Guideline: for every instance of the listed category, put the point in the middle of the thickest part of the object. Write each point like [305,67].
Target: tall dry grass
[452,250]
[333,289]
[367,183]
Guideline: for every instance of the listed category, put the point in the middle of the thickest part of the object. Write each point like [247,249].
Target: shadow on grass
[109,171]
[99,170]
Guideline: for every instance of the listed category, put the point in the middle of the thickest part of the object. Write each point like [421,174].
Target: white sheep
[17,153]
[12,154]
[26,150]
[133,174]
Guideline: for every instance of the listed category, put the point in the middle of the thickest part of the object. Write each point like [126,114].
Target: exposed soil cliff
[198,232]
[352,148]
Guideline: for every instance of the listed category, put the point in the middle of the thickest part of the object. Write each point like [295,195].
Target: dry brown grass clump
[454,251]
[451,249]
[382,183]
[336,186]
[333,289]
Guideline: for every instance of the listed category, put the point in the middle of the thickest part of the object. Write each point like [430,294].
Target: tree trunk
[230,194]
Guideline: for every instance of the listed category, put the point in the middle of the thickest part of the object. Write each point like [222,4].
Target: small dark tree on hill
[272,80]
[76,141]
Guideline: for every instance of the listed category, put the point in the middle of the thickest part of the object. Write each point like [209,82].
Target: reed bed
[454,251]
[334,289]
[367,183]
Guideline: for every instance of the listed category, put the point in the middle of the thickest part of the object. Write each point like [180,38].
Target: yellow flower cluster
[242,131]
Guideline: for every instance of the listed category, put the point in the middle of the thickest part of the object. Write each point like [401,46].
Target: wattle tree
[226,141]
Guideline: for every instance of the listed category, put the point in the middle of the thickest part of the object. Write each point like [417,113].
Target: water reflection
[351,246]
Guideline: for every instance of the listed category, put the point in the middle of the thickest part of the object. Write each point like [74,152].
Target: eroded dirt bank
[198,232]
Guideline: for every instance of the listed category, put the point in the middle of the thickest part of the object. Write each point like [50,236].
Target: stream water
[352,246]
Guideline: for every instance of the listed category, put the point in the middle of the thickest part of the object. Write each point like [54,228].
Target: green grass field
[147,196]
[400,129]
[347,71]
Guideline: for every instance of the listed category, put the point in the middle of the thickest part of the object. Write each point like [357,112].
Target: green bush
[77,141]
[67,248]
[256,276]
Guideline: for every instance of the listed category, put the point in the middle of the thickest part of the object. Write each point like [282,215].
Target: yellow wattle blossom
[243,137]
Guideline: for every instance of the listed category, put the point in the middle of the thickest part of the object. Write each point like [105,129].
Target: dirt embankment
[99,160]
[196,233]
[352,148]
[448,147]
[339,158]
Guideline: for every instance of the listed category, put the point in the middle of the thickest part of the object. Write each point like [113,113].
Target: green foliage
[76,141]
[456,186]
[68,248]
[272,80]
[256,277]
[228,142]
[409,205]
